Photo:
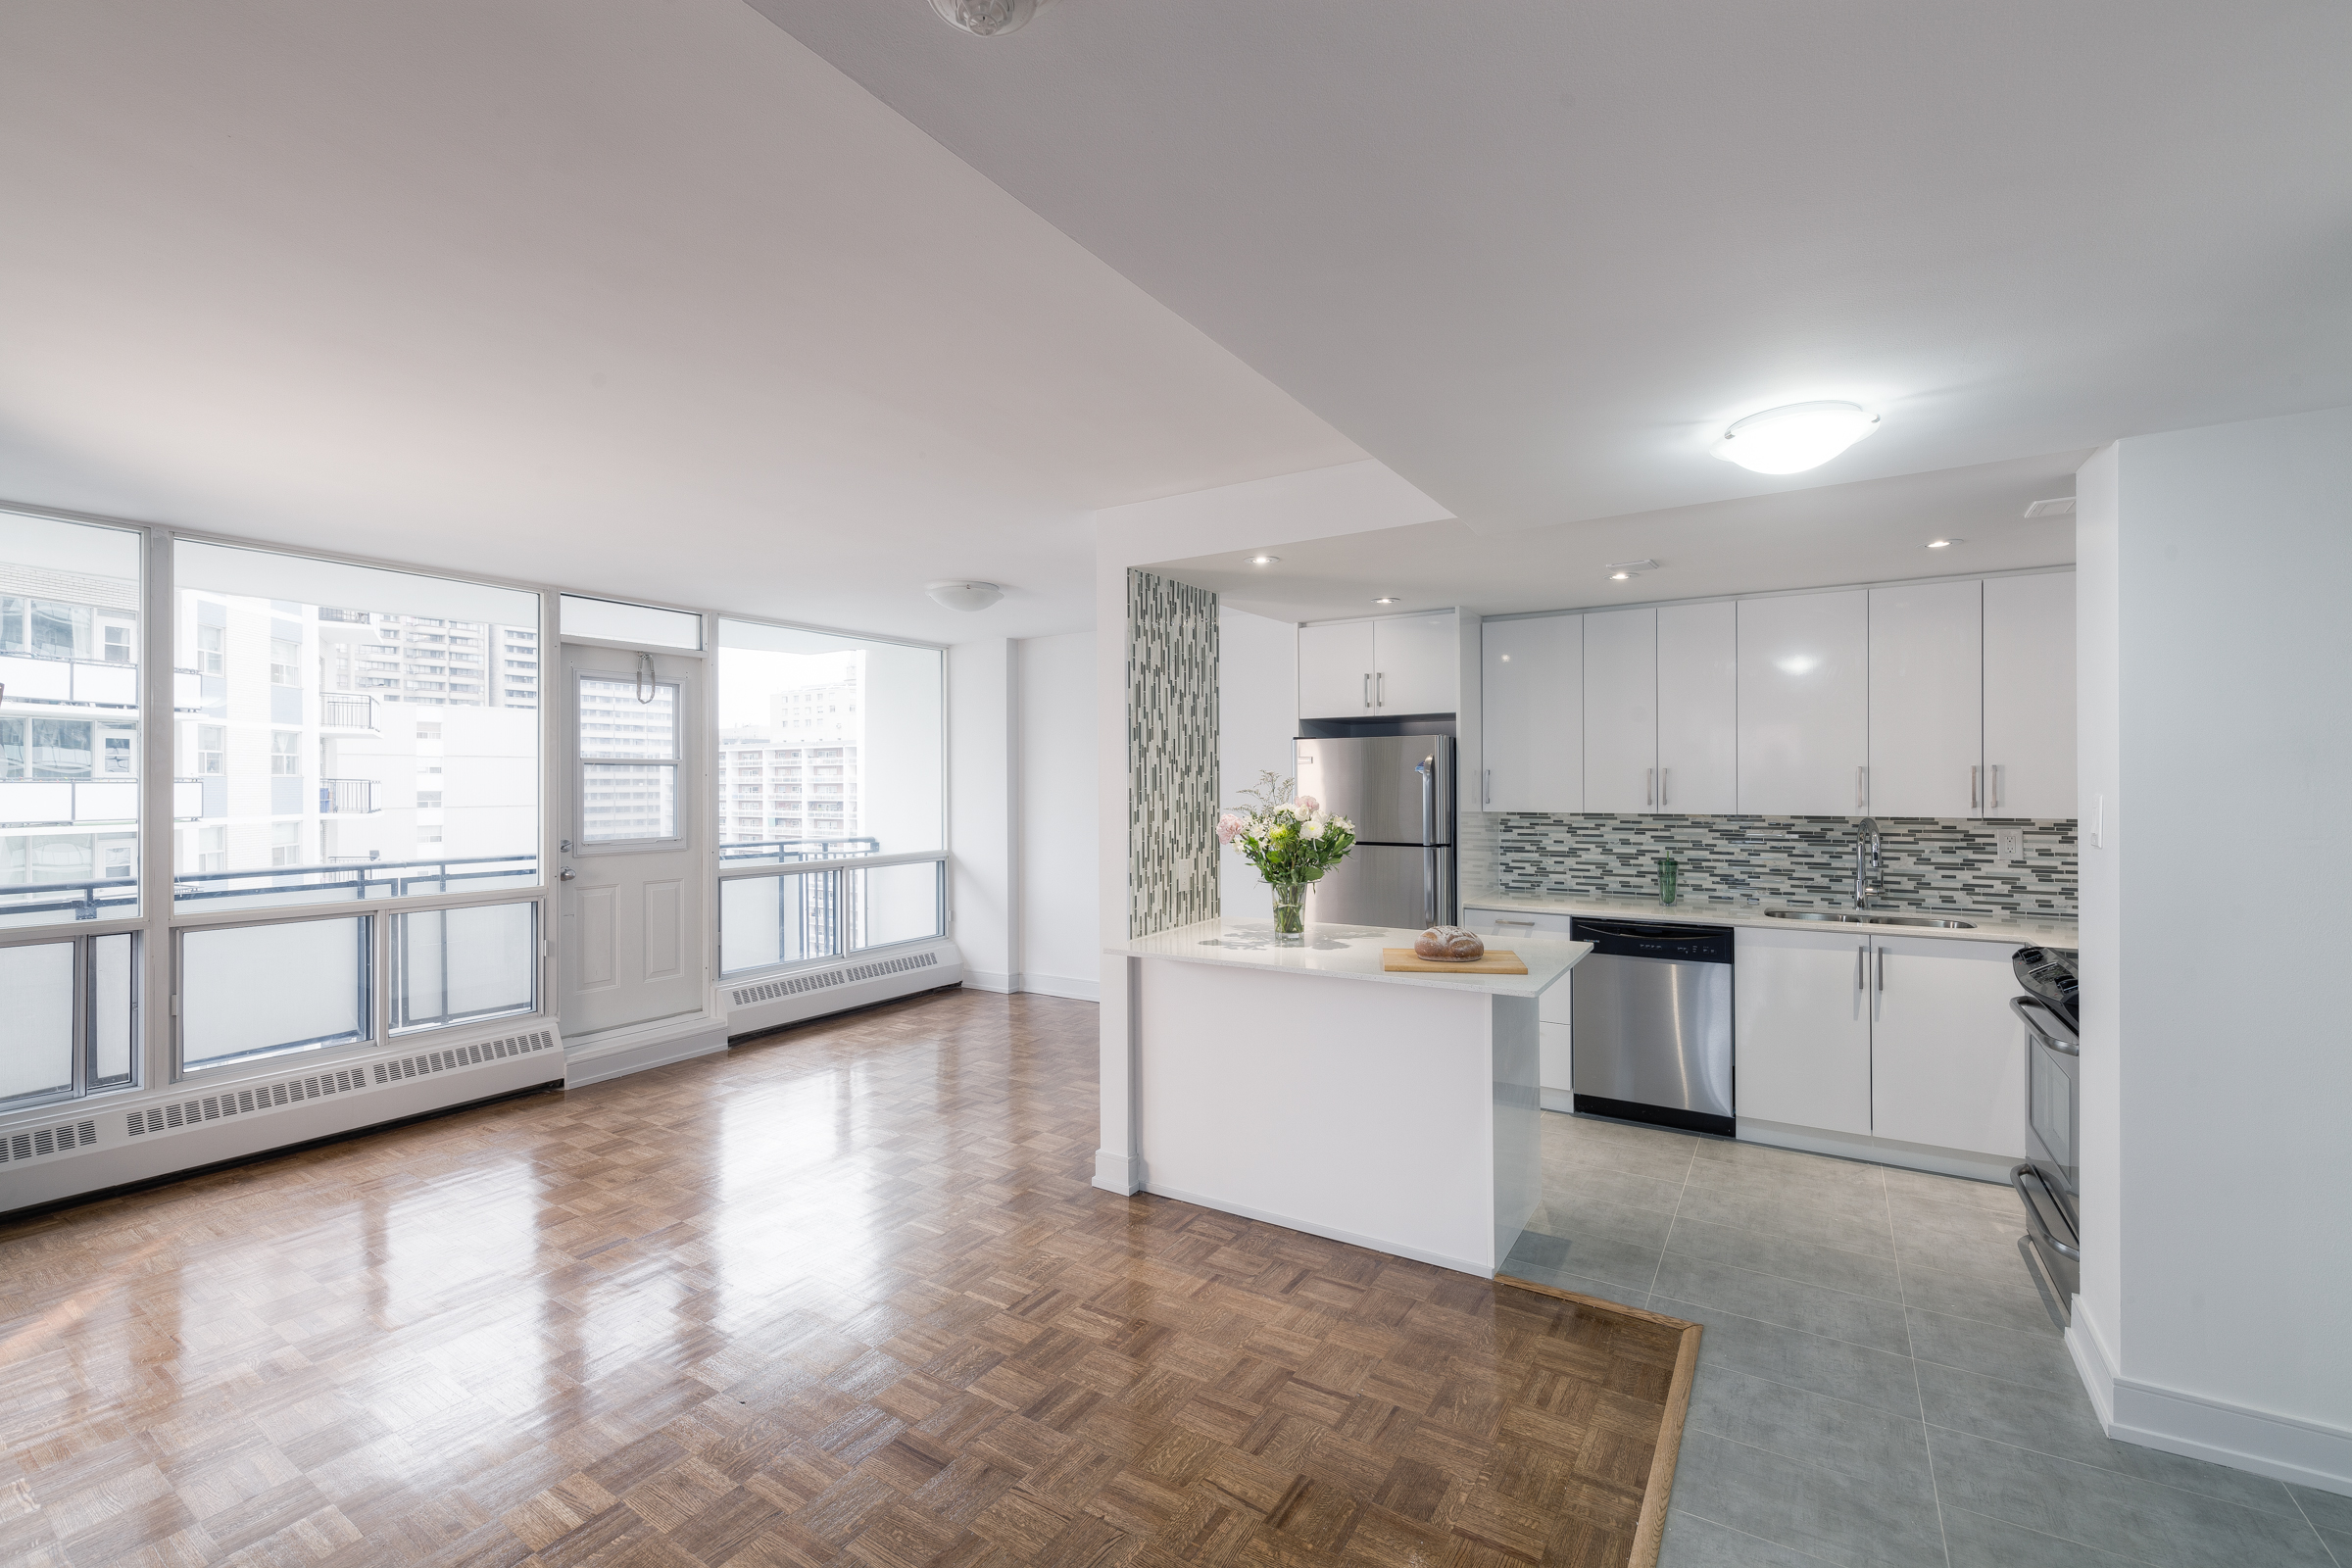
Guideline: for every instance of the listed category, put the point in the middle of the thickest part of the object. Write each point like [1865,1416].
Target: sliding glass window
[69,753]
[829,750]
[350,732]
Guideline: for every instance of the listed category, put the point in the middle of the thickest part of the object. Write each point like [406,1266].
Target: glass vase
[1290,912]
[1666,869]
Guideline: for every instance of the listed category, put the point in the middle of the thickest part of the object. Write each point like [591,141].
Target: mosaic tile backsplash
[1802,860]
[1171,754]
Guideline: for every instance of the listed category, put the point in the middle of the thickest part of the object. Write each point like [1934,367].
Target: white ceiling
[1870,531]
[645,299]
[1532,257]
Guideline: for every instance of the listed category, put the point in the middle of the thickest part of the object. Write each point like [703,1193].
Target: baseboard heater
[91,1150]
[761,1003]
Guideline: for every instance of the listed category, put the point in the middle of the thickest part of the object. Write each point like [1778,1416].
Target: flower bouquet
[1292,840]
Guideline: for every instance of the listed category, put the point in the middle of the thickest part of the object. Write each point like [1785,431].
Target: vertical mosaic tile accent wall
[1802,860]
[1171,755]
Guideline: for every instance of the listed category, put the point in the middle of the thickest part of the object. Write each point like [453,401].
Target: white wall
[1258,717]
[1056,830]
[981,823]
[2219,1270]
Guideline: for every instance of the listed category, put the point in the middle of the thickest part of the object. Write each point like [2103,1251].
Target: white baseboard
[1559,1099]
[1055,985]
[983,980]
[1371,1244]
[1879,1151]
[617,1053]
[1118,1173]
[2282,1447]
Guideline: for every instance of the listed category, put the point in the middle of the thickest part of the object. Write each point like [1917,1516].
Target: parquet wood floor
[840,1296]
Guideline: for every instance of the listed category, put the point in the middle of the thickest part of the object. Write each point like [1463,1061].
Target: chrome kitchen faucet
[1867,878]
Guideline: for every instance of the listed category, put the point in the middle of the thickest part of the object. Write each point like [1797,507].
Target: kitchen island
[1303,1086]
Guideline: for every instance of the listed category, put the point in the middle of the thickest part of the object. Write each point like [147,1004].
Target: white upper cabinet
[1926,679]
[1698,707]
[1621,710]
[1804,704]
[2029,696]
[1417,664]
[1335,670]
[1531,681]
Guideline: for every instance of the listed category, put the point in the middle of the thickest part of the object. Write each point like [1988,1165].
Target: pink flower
[1308,805]
[1229,828]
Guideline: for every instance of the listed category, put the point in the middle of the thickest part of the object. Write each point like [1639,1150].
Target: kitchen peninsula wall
[1799,860]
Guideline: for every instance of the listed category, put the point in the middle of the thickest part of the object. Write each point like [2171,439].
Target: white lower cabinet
[1499,926]
[1908,1039]
[1800,1041]
[1948,1056]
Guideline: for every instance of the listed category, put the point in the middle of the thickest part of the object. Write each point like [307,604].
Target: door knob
[566,875]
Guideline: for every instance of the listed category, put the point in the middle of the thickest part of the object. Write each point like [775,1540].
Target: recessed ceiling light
[1944,544]
[1621,576]
[988,18]
[1388,599]
[1627,571]
[1796,437]
[1263,560]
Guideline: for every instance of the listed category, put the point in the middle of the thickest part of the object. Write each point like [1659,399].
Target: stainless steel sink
[1842,917]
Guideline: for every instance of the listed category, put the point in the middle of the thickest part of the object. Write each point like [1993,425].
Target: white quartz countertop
[2015,929]
[1353,953]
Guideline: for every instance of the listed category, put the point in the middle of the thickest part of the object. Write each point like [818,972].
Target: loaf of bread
[1452,944]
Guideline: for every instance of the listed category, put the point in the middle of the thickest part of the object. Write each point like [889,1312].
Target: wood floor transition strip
[1650,1530]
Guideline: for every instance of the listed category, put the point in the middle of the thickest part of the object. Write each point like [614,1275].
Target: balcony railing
[346,795]
[347,711]
[78,682]
[103,897]
[791,851]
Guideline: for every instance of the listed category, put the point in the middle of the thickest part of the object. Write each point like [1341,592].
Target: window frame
[682,737]
[86,1085]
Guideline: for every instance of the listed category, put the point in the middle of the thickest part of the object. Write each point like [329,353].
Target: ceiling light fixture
[988,18]
[1628,571]
[1944,544]
[2055,507]
[1388,599]
[1794,438]
[1263,560]
[964,595]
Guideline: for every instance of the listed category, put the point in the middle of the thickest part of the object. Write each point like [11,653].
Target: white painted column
[983,795]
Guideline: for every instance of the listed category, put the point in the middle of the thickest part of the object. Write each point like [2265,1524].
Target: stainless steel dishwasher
[1651,1023]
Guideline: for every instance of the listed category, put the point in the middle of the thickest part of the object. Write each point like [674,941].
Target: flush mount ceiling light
[964,595]
[1944,544]
[1797,438]
[988,18]
[1628,571]
[1263,560]
[2055,507]
[1388,599]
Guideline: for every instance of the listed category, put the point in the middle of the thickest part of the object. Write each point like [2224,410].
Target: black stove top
[2049,977]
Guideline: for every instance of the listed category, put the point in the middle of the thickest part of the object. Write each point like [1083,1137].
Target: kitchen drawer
[1505,922]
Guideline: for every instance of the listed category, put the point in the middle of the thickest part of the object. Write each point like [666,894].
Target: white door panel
[2029,696]
[1335,670]
[629,928]
[1948,1056]
[1927,716]
[1532,727]
[1801,1040]
[1699,708]
[1621,710]
[1804,705]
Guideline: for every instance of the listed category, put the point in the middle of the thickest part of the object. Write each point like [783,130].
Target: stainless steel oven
[2049,1181]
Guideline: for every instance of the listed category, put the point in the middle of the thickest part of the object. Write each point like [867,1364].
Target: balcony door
[628,903]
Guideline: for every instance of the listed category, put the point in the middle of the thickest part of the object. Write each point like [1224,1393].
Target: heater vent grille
[802,984]
[41,1141]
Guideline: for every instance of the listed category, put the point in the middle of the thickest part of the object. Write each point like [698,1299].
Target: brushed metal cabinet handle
[1664,774]
[1861,963]
[1972,787]
[1380,689]
[1881,971]
[1649,786]
[1367,690]
[1996,786]
[1861,787]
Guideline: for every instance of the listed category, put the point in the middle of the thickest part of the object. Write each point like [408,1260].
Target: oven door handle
[2017,1179]
[2041,1035]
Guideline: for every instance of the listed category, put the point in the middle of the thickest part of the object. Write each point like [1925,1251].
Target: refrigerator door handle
[1426,767]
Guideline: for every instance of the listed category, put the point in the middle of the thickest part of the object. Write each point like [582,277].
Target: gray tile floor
[1879,1381]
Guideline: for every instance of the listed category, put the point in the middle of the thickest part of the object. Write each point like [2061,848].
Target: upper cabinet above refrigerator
[1804,705]
[1396,666]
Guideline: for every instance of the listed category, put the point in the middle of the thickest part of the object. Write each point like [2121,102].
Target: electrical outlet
[2009,846]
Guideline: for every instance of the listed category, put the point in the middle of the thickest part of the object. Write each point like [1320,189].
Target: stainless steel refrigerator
[1398,792]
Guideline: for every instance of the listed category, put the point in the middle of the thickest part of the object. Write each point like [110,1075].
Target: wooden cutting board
[1404,960]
